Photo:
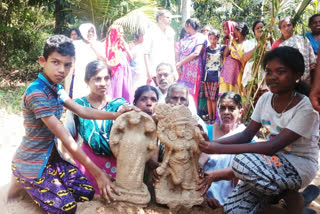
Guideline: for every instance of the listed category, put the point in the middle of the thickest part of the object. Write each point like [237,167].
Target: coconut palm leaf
[138,20]
[102,13]
[301,9]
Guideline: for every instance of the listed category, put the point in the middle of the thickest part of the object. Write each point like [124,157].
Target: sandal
[205,117]
[211,121]
[310,193]
[309,211]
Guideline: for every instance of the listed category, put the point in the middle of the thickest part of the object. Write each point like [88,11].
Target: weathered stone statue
[133,141]
[178,131]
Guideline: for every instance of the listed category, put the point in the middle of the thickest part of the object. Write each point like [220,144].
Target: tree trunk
[185,10]
[57,11]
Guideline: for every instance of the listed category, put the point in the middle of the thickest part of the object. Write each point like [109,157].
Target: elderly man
[165,78]
[159,44]
[178,95]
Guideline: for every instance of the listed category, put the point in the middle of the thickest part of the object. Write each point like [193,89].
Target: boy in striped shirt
[54,184]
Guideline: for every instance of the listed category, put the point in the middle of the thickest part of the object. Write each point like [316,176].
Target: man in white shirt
[159,44]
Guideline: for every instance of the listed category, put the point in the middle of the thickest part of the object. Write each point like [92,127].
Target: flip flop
[310,193]
[309,211]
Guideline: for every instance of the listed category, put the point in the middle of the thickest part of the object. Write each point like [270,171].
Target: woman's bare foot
[15,190]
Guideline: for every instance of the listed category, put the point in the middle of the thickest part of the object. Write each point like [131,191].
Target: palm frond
[102,13]
[301,9]
[138,19]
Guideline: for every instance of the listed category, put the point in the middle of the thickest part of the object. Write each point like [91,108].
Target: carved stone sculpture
[133,141]
[178,131]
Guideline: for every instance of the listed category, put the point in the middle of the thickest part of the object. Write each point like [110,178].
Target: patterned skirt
[211,90]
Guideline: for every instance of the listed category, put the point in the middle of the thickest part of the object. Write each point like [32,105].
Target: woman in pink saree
[232,69]
[191,58]
[228,28]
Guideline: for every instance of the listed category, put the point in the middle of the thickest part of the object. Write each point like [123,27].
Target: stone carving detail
[133,141]
[178,131]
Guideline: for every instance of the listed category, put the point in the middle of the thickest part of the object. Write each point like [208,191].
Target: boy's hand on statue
[127,107]
[204,135]
[201,172]
[106,187]
[204,183]
[206,147]
[212,202]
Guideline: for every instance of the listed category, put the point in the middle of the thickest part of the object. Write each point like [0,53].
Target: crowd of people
[237,170]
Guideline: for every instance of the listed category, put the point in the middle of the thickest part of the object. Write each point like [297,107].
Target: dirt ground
[11,132]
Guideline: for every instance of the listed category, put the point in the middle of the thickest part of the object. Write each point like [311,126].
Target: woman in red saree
[118,59]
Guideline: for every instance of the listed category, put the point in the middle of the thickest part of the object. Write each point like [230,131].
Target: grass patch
[11,98]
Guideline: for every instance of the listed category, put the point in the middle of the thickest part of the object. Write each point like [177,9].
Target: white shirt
[159,45]
[301,119]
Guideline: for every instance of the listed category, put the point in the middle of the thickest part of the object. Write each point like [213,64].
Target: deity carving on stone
[133,140]
[178,131]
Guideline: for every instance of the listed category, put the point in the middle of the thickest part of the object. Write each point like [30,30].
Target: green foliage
[217,12]
[23,29]
[102,13]
[277,9]
[11,97]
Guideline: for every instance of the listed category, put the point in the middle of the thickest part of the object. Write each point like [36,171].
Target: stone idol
[178,172]
[133,140]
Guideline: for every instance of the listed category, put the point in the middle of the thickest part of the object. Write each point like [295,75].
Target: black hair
[194,23]
[165,64]
[214,32]
[60,43]
[311,18]
[231,95]
[76,30]
[286,18]
[243,28]
[161,12]
[291,58]
[255,24]
[145,88]
[93,68]
[182,33]
[138,33]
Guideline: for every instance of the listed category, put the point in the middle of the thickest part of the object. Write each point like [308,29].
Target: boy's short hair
[60,43]
[215,33]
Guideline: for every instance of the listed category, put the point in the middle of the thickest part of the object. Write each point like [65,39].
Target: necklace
[293,95]
[100,105]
